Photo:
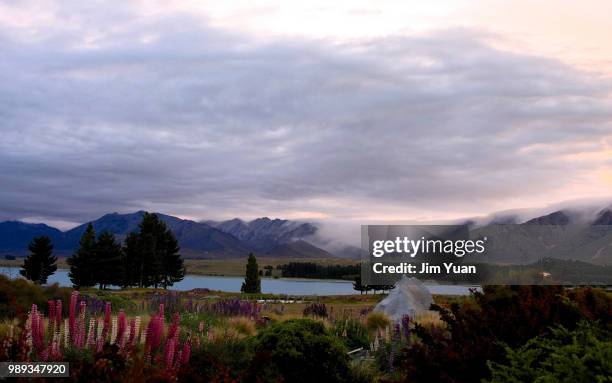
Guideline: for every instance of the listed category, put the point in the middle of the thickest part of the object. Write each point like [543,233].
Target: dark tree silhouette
[152,255]
[83,261]
[252,282]
[40,264]
[109,261]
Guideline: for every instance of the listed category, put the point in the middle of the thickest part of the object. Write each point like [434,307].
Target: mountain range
[227,239]
[563,234]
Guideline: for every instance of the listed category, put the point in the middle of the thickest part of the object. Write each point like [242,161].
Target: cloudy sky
[356,112]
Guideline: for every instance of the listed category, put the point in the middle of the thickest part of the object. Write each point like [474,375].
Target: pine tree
[132,266]
[174,270]
[40,264]
[109,261]
[252,282]
[82,263]
[152,248]
[152,255]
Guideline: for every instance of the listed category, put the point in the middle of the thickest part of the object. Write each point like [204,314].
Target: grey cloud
[205,122]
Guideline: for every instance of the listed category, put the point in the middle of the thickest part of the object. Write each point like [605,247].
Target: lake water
[268,285]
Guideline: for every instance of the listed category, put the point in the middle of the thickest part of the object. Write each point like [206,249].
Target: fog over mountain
[287,238]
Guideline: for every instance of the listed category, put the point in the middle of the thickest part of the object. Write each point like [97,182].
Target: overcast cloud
[120,112]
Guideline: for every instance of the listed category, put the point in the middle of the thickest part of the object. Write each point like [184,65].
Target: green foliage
[477,327]
[40,264]
[82,262]
[220,361]
[352,333]
[152,255]
[252,281]
[582,355]
[18,295]
[301,350]
[377,320]
[315,270]
[109,261]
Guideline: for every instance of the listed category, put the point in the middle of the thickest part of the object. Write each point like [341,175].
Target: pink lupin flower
[79,339]
[90,333]
[41,330]
[51,304]
[170,350]
[36,328]
[107,321]
[58,313]
[186,352]
[133,335]
[72,313]
[121,326]
[174,327]
[201,327]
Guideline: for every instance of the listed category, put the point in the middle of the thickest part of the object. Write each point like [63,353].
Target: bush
[315,310]
[477,328]
[353,333]
[377,320]
[242,326]
[582,355]
[301,350]
[18,295]
[224,360]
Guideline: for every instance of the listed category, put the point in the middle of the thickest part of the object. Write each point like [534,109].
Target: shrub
[18,295]
[301,350]
[243,326]
[377,320]
[477,327]
[582,355]
[223,360]
[353,333]
[315,310]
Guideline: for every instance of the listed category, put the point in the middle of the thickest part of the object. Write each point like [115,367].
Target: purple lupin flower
[406,327]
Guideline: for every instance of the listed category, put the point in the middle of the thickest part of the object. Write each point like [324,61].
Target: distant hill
[562,235]
[15,236]
[297,249]
[230,239]
[264,234]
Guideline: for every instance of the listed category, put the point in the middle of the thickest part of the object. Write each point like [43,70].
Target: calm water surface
[268,285]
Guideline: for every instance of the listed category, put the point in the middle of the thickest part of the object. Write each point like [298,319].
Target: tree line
[148,257]
[315,270]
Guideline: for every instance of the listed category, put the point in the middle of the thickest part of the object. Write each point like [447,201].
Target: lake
[268,285]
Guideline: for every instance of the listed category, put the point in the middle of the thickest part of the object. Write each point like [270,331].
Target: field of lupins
[163,329]
[48,338]
[146,335]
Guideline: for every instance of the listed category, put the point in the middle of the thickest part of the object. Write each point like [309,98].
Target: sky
[354,112]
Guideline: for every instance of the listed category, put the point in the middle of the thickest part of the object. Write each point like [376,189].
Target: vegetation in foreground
[502,334]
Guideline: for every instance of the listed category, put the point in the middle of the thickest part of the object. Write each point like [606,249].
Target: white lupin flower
[66,333]
[113,330]
[136,327]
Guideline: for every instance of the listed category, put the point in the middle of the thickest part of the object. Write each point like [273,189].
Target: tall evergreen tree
[174,269]
[109,261]
[252,282]
[152,255]
[40,264]
[82,263]
[132,265]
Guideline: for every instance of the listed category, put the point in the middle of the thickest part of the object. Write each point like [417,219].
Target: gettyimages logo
[404,245]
